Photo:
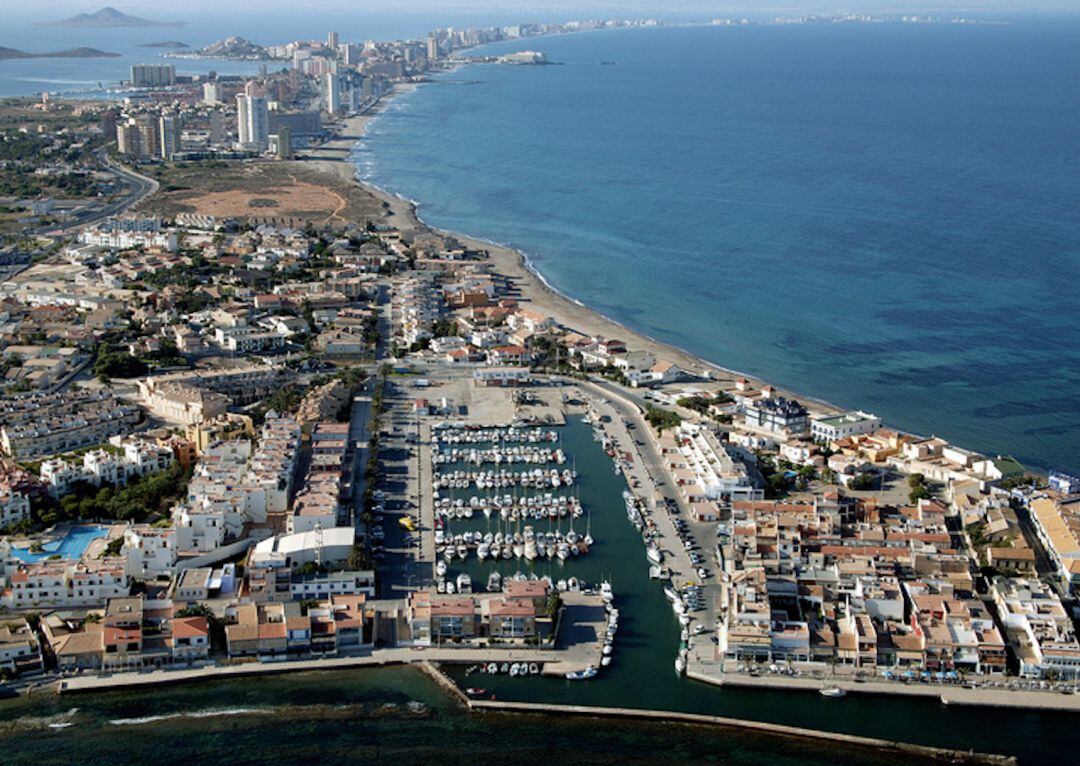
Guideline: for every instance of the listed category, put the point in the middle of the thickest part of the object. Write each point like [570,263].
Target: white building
[247,339]
[332,92]
[66,583]
[329,545]
[720,476]
[1038,628]
[140,457]
[14,507]
[833,427]
[149,552]
[253,122]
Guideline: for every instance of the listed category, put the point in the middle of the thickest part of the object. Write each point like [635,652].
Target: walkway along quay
[579,646]
[947,695]
[930,753]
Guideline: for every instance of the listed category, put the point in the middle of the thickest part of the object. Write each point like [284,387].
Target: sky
[170,9]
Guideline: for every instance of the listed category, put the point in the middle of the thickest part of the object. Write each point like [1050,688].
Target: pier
[935,754]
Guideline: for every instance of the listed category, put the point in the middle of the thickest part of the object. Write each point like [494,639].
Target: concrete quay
[946,695]
[578,645]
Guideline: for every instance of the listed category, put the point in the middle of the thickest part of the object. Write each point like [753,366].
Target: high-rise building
[332,40]
[306,124]
[253,122]
[212,93]
[332,93]
[169,135]
[149,143]
[152,75]
[432,48]
[127,139]
[282,143]
[350,54]
[217,128]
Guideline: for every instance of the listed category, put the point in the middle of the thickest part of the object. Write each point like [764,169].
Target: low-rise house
[20,650]
[43,425]
[829,428]
[1038,628]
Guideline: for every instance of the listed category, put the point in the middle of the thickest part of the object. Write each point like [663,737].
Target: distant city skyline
[56,8]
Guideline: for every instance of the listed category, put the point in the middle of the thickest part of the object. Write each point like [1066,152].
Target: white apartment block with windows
[149,552]
[65,583]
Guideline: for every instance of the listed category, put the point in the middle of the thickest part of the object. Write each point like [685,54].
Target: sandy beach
[527,286]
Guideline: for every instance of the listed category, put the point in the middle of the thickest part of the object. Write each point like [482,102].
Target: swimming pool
[71,546]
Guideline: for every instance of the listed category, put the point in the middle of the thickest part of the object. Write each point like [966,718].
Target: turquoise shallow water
[885,216]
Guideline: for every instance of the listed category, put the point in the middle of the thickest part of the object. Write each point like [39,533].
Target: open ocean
[886,216]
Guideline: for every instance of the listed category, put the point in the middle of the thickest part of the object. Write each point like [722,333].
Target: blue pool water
[71,546]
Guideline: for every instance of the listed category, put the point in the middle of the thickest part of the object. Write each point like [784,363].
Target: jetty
[930,753]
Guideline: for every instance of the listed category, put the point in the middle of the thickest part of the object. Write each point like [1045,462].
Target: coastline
[528,285]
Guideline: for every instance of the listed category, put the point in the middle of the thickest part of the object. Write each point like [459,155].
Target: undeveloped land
[287,192]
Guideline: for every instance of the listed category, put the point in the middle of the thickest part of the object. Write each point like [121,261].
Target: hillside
[110,17]
[71,53]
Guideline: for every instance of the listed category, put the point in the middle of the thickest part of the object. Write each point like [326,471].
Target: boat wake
[213,713]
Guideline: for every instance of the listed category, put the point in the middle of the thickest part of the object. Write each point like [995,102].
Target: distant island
[71,53]
[166,44]
[231,48]
[109,17]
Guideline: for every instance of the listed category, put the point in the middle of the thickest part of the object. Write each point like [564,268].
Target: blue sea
[885,216]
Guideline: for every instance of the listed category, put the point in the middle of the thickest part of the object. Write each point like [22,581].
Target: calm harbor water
[884,216]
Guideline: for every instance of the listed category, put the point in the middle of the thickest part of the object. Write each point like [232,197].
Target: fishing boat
[582,675]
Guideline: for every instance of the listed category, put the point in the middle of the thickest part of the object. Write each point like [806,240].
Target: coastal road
[139,188]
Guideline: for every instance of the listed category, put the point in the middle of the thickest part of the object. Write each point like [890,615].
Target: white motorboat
[606,593]
[833,692]
[582,675]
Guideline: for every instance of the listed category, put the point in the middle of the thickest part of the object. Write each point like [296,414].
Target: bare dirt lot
[288,192]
